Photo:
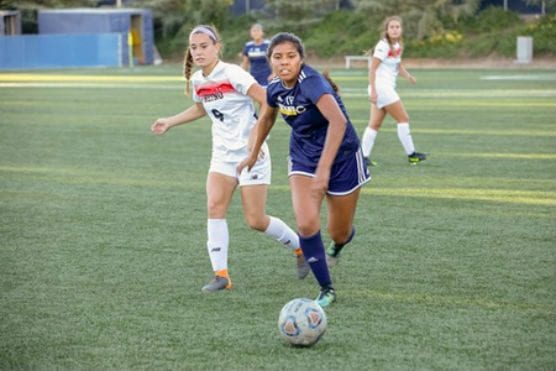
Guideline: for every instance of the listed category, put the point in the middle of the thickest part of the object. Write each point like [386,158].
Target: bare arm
[406,75]
[262,128]
[372,79]
[162,125]
[337,122]
[245,63]
[258,94]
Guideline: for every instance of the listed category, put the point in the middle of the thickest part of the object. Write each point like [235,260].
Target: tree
[422,18]
[302,9]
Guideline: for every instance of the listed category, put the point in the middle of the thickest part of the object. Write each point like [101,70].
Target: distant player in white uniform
[225,93]
[383,71]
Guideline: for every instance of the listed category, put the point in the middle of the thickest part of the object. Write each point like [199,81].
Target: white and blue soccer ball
[302,322]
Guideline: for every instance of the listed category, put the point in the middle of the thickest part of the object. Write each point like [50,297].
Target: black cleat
[416,157]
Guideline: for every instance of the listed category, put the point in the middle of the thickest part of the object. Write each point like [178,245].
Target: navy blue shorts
[345,176]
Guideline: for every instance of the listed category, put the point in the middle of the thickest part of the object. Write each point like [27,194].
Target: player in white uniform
[385,67]
[225,93]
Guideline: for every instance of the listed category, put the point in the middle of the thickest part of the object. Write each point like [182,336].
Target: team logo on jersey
[394,53]
[291,110]
[257,53]
[287,107]
[214,91]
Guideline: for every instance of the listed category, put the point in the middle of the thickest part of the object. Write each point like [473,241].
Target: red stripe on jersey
[214,88]
[395,53]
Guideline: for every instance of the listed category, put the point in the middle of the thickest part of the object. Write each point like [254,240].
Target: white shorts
[261,173]
[386,95]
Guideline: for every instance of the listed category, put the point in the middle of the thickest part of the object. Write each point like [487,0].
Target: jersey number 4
[219,115]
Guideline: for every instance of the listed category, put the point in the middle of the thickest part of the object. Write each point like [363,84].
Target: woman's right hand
[160,126]
[372,94]
[373,97]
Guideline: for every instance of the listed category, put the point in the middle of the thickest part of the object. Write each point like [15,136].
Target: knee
[308,228]
[339,235]
[404,119]
[215,209]
[375,127]
[256,222]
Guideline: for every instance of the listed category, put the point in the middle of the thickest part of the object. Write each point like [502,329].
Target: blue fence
[59,51]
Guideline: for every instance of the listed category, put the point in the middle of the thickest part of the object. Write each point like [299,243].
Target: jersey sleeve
[245,51]
[240,79]
[315,87]
[194,95]
[381,50]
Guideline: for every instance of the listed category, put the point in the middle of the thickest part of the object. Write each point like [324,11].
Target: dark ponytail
[326,74]
[187,67]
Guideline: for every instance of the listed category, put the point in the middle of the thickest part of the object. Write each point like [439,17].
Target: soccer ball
[302,322]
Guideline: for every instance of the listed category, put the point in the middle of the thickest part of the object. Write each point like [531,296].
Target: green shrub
[343,32]
[544,35]
[491,32]
[490,20]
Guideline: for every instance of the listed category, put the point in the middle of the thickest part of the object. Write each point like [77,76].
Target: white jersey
[223,94]
[391,58]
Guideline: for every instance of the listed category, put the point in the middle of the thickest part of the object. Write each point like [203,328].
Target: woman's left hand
[248,163]
[411,79]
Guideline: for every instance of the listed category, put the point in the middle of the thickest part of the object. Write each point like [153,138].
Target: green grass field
[103,250]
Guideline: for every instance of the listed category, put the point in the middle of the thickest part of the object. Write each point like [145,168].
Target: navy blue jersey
[258,64]
[298,107]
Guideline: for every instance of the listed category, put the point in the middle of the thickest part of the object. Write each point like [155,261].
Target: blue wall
[59,51]
[90,21]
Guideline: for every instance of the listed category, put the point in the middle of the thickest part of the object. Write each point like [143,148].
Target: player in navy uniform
[254,55]
[325,156]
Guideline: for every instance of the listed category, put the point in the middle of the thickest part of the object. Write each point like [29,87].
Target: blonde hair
[384,33]
[211,32]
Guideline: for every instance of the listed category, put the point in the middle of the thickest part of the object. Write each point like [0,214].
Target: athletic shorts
[345,176]
[261,173]
[386,95]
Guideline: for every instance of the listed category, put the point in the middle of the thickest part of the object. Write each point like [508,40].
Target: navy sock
[313,251]
[339,247]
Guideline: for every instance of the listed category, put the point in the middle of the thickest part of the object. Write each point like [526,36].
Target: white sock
[280,231]
[217,244]
[405,138]
[368,141]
